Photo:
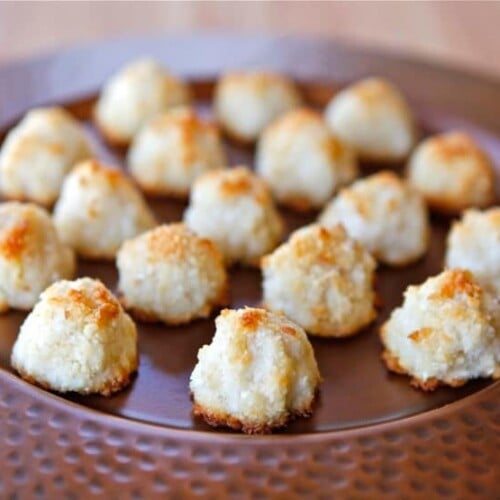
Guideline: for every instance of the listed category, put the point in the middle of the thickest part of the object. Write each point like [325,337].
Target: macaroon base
[108,389]
[112,139]
[221,419]
[450,208]
[162,192]
[431,384]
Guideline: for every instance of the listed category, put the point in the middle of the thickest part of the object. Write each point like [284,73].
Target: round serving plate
[371,434]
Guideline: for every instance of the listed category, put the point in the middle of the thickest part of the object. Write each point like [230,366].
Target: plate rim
[227,436]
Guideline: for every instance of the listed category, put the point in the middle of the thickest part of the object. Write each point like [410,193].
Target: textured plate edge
[492,392]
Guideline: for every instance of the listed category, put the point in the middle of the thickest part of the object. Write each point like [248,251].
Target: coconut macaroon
[474,243]
[386,215]
[302,161]
[245,102]
[373,117]
[99,209]
[452,173]
[135,94]
[323,280]
[234,209]
[77,339]
[257,374]
[172,150]
[172,275]
[444,333]
[38,153]
[31,255]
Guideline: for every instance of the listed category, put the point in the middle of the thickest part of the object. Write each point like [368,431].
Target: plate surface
[357,392]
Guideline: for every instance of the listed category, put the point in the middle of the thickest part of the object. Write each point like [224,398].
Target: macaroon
[246,102]
[373,117]
[31,255]
[386,215]
[170,274]
[99,209]
[234,208]
[453,173]
[135,94]
[77,339]
[38,153]
[303,162]
[323,280]
[258,373]
[444,333]
[473,243]
[172,150]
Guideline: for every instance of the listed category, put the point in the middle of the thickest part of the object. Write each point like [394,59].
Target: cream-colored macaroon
[77,339]
[323,280]
[31,255]
[132,96]
[386,215]
[474,243]
[234,209]
[257,374]
[38,153]
[452,173]
[245,102]
[444,333]
[373,117]
[172,275]
[172,150]
[302,160]
[99,209]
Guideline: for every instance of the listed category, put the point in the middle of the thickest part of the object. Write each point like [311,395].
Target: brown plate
[371,433]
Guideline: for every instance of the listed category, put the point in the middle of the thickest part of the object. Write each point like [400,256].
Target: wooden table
[464,34]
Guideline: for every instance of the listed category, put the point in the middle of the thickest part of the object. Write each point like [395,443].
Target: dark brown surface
[67,446]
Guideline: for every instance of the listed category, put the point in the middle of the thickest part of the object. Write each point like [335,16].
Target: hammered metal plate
[371,433]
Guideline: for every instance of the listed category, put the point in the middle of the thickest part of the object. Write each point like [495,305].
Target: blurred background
[464,34]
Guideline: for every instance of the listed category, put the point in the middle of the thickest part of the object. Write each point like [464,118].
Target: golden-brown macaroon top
[455,145]
[458,282]
[372,90]
[258,80]
[93,168]
[96,304]
[298,120]
[379,181]
[176,241]
[239,181]
[189,125]
[320,247]
[251,318]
